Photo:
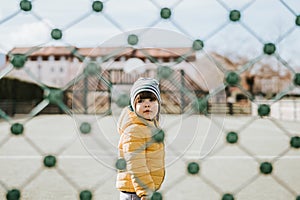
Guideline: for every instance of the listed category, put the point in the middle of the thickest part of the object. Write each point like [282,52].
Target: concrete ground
[87,161]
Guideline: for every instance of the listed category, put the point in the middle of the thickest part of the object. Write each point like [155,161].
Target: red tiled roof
[42,51]
[102,51]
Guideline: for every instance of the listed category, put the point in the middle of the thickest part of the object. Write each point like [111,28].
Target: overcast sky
[194,19]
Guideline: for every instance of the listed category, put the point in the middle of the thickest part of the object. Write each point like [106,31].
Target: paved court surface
[87,161]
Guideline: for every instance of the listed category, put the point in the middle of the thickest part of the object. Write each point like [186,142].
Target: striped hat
[144,85]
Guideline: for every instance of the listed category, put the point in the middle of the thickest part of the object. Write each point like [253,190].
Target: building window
[33,58]
[51,58]
[39,59]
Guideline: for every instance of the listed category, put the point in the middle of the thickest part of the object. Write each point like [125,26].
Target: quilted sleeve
[134,141]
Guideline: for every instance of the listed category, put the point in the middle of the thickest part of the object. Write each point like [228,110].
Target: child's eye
[140,101]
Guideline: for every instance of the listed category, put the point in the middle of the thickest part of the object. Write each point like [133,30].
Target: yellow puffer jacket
[144,157]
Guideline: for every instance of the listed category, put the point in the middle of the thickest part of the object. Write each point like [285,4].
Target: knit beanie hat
[144,85]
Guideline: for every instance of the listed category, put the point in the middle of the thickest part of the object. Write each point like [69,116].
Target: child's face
[147,108]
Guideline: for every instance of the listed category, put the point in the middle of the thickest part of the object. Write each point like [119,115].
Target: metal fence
[209,155]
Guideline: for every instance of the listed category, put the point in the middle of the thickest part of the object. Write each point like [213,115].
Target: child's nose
[147,103]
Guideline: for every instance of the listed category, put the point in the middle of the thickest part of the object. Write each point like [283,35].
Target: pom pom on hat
[144,85]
